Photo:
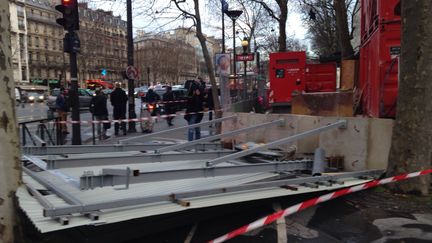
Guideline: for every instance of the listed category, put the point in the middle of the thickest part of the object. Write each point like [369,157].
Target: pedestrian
[99,109]
[168,98]
[119,101]
[151,98]
[194,111]
[62,107]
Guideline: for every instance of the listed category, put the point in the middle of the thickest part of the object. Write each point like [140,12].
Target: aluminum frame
[106,148]
[112,177]
[211,138]
[341,124]
[57,162]
[181,196]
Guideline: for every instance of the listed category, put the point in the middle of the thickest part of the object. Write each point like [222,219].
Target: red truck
[289,72]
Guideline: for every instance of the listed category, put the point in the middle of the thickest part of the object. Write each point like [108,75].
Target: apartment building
[38,44]
[18,21]
[160,58]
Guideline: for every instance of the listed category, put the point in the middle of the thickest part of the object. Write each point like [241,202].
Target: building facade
[162,59]
[103,39]
[37,43]
[172,57]
[20,61]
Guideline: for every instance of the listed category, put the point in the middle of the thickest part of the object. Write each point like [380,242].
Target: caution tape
[137,119]
[314,201]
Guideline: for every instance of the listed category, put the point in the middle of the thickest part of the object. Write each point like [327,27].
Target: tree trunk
[10,164]
[283,6]
[411,142]
[347,51]
[208,61]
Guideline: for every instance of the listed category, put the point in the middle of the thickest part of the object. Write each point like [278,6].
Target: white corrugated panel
[62,179]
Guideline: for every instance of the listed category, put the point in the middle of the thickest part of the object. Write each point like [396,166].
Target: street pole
[244,80]
[73,96]
[234,57]
[223,29]
[132,114]
[148,76]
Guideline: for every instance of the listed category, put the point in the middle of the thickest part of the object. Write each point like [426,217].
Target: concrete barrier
[364,144]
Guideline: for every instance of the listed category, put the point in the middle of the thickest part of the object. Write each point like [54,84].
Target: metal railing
[41,132]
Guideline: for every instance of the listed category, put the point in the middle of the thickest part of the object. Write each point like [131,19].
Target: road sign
[245,57]
[131,72]
[104,72]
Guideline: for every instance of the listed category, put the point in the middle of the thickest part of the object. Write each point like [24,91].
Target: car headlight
[31,97]
[41,97]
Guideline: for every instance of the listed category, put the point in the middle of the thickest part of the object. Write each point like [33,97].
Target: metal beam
[115,159]
[83,209]
[178,129]
[106,148]
[341,123]
[52,187]
[112,177]
[211,138]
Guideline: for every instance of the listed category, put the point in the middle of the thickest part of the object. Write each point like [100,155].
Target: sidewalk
[160,125]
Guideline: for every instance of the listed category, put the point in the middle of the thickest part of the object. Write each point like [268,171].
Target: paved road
[35,111]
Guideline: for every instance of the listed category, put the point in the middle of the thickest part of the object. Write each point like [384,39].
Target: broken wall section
[364,144]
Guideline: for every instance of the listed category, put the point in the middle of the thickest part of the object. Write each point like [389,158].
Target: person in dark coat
[151,98]
[99,109]
[119,102]
[168,98]
[194,112]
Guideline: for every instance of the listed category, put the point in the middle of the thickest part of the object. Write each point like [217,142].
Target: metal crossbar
[112,177]
[227,134]
[178,129]
[58,162]
[106,148]
[341,123]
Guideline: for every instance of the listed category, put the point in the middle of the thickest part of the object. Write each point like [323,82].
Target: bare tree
[347,51]
[330,25]
[10,164]
[196,17]
[280,14]
[412,135]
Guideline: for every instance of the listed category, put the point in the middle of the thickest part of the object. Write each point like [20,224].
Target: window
[37,41]
[30,56]
[21,24]
[29,40]
[23,73]
[280,73]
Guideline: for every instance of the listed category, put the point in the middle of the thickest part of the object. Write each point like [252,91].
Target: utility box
[289,73]
[286,75]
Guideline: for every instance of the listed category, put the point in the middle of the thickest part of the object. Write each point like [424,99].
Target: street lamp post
[131,82]
[234,14]
[245,44]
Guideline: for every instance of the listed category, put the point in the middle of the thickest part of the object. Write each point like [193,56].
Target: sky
[141,21]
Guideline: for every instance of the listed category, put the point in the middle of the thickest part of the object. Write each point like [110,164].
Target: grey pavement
[160,125]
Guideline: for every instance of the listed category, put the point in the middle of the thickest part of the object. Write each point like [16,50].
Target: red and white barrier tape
[314,201]
[129,120]
[136,119]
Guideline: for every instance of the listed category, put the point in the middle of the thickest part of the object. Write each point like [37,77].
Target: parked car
[85,98]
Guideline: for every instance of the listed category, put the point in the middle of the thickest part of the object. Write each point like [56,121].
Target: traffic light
[69,9]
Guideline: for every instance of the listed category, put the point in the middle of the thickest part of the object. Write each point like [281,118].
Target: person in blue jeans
[194,111]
